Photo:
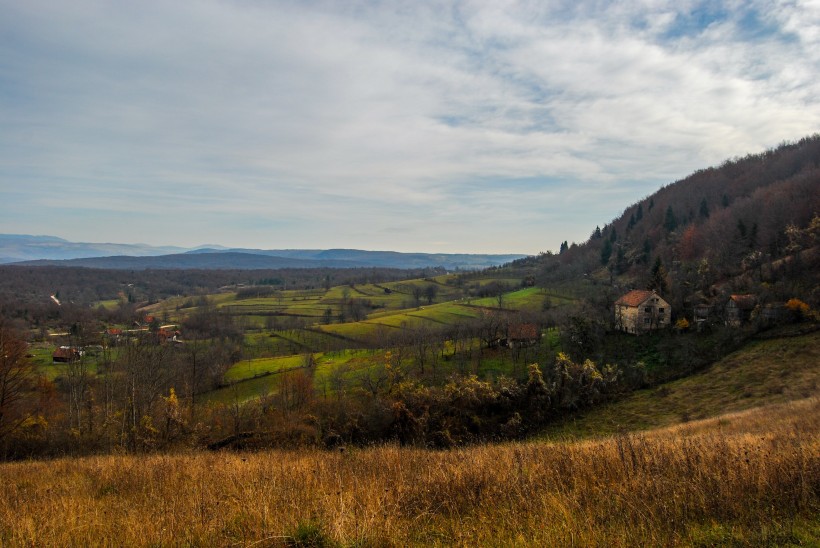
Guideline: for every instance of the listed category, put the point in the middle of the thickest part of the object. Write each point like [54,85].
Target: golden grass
[747,479]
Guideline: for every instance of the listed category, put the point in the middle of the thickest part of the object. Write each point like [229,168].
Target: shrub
[308,534]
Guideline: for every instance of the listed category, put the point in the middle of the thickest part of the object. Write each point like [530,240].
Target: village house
[523,334]
[66,354]
[640,311]
[113,335]
[164,335]
[739,309]
[701,314]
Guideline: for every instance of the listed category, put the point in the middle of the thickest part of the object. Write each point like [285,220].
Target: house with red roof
[66,354]
[640,311]
[522,334]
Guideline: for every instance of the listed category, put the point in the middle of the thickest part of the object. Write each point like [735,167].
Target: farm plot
[251,379]
[248,369]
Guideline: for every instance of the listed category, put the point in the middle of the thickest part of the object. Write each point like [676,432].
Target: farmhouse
[524,334]
[739,309]
[639,311]
[65,354]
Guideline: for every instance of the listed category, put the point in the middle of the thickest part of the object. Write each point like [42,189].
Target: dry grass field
[746,479]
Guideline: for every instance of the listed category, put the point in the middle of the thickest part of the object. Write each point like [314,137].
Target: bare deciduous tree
[15,373]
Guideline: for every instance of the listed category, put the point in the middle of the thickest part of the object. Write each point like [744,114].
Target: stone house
[739,309]
[640,311]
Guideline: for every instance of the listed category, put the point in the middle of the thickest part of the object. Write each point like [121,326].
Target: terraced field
[285,326]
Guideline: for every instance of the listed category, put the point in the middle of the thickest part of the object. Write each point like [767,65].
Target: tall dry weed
[745,478]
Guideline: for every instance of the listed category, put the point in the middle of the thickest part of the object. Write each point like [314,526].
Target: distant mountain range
[53,251]
[24,247]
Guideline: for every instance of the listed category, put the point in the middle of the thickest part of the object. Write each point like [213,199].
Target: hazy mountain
[387,259]
[48,250]
[24,247]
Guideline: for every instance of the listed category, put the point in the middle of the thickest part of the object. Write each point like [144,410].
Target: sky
[440,127]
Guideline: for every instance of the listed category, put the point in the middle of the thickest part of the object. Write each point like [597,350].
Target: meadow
[744,479]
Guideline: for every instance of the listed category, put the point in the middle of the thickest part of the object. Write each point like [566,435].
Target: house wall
[654,313]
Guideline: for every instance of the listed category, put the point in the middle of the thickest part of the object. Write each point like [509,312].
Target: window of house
[648,309]
[660,310]
[646,320]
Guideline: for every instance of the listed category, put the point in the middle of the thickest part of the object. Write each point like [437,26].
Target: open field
[254,378]
[746,479]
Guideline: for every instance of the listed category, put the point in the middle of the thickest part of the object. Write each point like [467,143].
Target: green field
[250,379]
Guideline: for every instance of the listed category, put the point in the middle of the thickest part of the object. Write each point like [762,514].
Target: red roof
[525,331]
[635,297]
[65,354]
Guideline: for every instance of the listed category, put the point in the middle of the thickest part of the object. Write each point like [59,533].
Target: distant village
[148,328]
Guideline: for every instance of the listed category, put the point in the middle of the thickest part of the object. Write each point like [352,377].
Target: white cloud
[357,114]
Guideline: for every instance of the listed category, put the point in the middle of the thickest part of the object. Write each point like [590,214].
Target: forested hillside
[750,224]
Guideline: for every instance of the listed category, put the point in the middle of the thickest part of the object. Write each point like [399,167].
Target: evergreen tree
[657,280]
[670,223]
[753,236]
[741,229]
[620,260]
[704,209]
[606,251]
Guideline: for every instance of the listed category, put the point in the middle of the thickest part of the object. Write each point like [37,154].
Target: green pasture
[241,391]
[41,358]
[433,315]
[247,369]
[356,331]
[256,378]
[488,278]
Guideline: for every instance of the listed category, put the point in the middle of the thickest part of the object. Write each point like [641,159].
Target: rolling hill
[52,251]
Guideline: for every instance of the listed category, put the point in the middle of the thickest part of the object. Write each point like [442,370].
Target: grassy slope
[763,372]
[746,480]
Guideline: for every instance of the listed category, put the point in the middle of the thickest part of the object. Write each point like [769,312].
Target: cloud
[330,123]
